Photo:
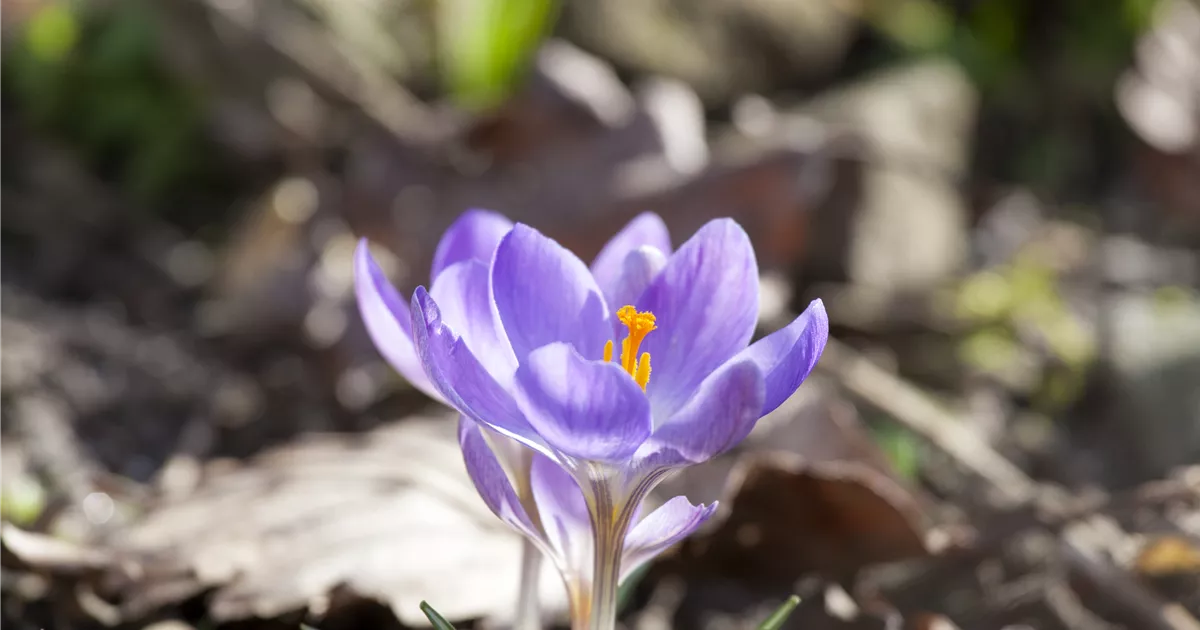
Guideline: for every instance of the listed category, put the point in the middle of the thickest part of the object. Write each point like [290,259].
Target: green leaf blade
[487,45]
[781,614]
[439,622]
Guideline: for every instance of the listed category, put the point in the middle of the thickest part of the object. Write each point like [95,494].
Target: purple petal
[706,305]
[473,236]
[461,293]
[786,356]
[641,267]
[721,414]
[590,410]
[489,478]
[646,229]
[564,514]
[462,379]
[386,317]
[545,294]
[670,523]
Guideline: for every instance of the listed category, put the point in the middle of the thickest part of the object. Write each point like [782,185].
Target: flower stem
[609,528]
[611,508]
[528,613]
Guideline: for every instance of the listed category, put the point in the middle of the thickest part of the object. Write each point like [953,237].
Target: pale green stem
[611,518]
[528,613]
[519,462]
[608,528]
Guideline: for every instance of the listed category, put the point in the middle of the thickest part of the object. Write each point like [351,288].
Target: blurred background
[998,201]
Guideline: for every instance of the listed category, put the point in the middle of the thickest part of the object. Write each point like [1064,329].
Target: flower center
[639,324]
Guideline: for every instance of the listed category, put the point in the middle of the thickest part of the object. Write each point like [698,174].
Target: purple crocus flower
[530,344]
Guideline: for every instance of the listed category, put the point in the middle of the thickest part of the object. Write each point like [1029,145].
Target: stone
[1154,357]
[915,122]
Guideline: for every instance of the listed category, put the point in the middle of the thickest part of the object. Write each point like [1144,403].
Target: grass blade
[781,614]
[439,622]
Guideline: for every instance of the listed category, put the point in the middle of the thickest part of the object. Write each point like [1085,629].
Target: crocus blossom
[614,375]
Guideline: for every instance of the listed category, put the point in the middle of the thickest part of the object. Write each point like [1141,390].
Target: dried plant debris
[813,508]
[808,502]
[388,516]
[789,518]
[96,407]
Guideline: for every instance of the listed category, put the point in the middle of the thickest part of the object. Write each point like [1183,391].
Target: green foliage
[439,622]
[902,449]
[22,500]
[89,75]
[781,614]
[991,38]
[917,25]
[1044,70]
[52,33]
[1024,296]
[486,45]
[625,591]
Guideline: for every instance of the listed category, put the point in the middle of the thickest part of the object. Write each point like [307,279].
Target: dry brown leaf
[389,515]
[789,517]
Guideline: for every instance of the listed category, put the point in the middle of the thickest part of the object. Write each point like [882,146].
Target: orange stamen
[639,324]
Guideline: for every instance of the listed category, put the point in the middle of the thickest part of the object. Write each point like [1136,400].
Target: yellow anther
[643,371]
[639,324]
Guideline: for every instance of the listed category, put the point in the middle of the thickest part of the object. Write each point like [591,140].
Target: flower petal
[646,229]
[489,478]
[473,236]
[461,378]
[670,523]
[564,515]
[706,305]
[721,414]
[590,410]
[545,294]
[386,317]
[786,356]
[461,292]
[641,267]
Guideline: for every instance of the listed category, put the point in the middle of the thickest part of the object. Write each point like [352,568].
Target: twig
[1064,602]
[1139,607]
[919,412]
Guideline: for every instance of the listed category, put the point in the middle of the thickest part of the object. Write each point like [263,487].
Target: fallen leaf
[389,516]
[790,517]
